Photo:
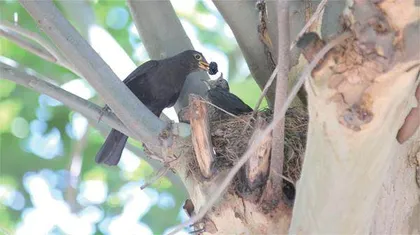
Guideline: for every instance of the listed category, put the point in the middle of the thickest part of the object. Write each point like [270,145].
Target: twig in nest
[232,173]
[231,114]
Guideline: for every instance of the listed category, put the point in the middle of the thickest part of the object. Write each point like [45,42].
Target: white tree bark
[351,160]
[344,170]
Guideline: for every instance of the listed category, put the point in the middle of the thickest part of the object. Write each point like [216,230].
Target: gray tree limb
[135,115]
[80,105]
[242,17]
[163,36]
[88,109]
[273,191]
[27,45]
[22,33]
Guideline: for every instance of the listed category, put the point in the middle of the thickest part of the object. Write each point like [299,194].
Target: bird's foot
[198,231]
[104,110]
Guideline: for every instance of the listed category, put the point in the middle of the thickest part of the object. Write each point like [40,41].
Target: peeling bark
[358,98]
[201,139]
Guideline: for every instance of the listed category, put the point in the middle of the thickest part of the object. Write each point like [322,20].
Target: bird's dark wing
[227,101]
[140,83]
[140,71]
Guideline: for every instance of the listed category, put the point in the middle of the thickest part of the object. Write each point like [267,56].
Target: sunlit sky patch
[129,161]
[92,192]
[110,51]
[80,88]
[46,146]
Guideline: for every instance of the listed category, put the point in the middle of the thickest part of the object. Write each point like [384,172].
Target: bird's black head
[218,83]
[193,60]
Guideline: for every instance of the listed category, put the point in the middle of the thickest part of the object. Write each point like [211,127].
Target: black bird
[219,95]
[157,84]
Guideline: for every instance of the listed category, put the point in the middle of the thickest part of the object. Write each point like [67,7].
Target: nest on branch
[230,138]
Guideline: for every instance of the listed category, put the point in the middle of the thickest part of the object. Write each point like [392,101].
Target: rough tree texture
[358,99]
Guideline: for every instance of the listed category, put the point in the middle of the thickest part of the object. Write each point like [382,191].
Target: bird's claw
[104,110]
[199,230]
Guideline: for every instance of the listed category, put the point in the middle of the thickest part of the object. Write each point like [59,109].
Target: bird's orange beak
[203,65]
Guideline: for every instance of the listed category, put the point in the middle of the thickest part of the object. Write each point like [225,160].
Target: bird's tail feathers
[111,150]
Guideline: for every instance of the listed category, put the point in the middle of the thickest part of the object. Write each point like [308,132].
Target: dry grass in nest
[230,140]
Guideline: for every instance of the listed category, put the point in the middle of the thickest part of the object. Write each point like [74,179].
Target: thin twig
[60,59]
[161,172]
[75,168]
[226,182]
[308,24]
[267,85]
[31,47]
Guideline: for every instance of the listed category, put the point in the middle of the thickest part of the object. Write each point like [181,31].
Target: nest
[230,138]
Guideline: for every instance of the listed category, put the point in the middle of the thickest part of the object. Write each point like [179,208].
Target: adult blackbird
[219,95]
[157,84]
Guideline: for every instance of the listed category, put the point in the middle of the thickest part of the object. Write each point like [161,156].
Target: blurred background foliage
[49,183]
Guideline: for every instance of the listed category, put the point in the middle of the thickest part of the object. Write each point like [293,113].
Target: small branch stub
[201,138]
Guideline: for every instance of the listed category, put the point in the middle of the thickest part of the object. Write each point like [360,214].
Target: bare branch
[138,118]
[264,91]
[31,47]
[273,191]
[159,174]
[86,108]
[249,152]
[50,50]
[163,36]
[75,168]
[36,37]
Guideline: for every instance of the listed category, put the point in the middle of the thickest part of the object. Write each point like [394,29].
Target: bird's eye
[197,57]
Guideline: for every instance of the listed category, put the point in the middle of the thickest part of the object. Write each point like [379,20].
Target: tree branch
[242,17]
[34,36]
[86,108]
[29,46]
[24,33]
[273,190]
[163,36]
[139,119]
